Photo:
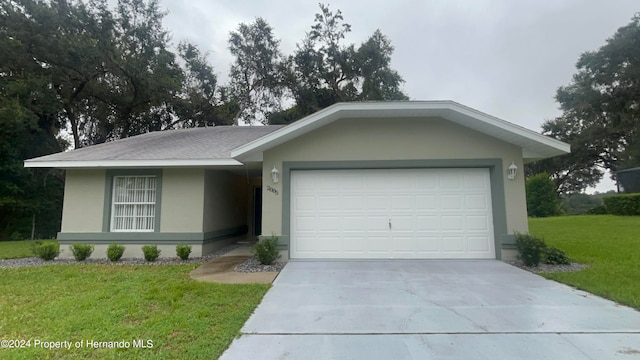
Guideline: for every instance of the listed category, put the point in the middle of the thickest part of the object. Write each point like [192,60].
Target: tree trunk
[33,226]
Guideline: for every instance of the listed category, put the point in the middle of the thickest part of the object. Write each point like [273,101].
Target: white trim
[530,141]
[130,163]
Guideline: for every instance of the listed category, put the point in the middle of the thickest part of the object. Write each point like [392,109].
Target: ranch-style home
[367,180]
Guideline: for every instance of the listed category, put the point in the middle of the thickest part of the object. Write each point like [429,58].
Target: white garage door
[391,214]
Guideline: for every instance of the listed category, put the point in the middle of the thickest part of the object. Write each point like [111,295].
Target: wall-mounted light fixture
[512,171]
[275,175]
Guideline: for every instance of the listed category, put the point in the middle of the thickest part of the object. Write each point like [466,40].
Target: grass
[16,249]
[184,319]
[610,244]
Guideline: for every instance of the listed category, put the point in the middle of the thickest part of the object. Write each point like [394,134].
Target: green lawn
[16,249]
[610,244]
[182,318]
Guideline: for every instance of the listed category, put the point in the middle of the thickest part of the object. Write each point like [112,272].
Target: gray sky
[502,57]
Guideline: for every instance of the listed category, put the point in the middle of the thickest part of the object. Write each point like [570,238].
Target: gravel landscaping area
[35,261]
[253,265]
[549,268]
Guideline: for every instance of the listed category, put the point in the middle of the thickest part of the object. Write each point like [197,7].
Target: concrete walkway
[431,310]
[220,270]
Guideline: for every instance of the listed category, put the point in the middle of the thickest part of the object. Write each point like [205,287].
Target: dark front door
[257,211]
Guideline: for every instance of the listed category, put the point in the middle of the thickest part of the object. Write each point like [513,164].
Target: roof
[210,146]
[534,145]
[233,145]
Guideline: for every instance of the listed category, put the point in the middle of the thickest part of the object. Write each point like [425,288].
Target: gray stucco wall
[83,200]
[182,200]
[393,139]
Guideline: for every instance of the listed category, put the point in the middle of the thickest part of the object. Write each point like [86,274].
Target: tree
[324,71]
[542,200]
[201,102]
[104,74]
[601,108]
[255,82]
[143,78]
[573,172]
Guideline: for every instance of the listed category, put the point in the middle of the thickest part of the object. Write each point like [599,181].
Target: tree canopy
[75,73]
[601,112]
[323,70]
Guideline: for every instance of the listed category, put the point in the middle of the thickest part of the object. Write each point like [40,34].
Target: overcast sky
[503,57]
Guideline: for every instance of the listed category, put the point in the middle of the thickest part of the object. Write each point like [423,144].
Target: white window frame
[147,196]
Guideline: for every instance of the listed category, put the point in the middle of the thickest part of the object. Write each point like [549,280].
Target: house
[410,179]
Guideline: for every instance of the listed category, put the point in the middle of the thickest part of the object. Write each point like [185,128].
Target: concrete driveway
[431,309]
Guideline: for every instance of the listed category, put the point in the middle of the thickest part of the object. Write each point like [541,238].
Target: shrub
[530,249]
[542,200]
[81,251]
[183,251]
[46,250]
[555,256]
[151,252]
[626,204]
[115,251]
[598,210]
[266,250]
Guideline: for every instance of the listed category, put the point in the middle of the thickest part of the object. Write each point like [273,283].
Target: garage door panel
[379,202]
[450,182]
[402,223]
[353,244]
[428,222]
[427,202]
[376,184]
[434,213]
[353,223]
[477,222]
[475,181]
[354,202]
[327,223]
[325,202]
[305,223]
[453,244]
[453,202]
[478,244]
[428,244]
[451,223]
[478,202]
[402,202]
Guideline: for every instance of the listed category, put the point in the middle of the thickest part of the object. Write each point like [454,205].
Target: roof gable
[534,145]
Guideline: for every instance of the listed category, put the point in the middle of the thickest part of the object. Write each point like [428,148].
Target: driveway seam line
[461,333]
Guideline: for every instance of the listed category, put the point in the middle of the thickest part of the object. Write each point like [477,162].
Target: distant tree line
[99,73]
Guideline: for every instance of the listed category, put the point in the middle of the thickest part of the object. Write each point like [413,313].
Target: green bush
[183,251]
[81,251]
[555,256]
[542,200]
[151,252]
[115,251]
[625,204]
[46,250]
[266,250]
[530,249]
[598,210]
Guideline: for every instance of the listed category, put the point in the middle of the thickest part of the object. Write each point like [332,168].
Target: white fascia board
[65,164]
[510,127]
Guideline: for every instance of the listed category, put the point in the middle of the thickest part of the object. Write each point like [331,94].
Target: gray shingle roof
[185,144]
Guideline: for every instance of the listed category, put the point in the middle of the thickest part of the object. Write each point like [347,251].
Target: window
[134,203]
